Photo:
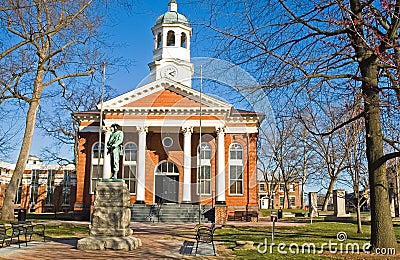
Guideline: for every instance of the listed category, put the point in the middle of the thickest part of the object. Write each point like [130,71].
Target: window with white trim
[281,201]
[204,154]
[262,187]
[34,187]
[66,190]
[18,195]
[292,201]
[281,187]
[97,165]
[291,187]
[236,169]
[167,168]
[50,187]
[129,171]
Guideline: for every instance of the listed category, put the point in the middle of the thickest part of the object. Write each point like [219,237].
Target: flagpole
[199,159]
[101,123]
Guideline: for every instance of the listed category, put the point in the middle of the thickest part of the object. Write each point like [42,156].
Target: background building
[273,195]
[44,187]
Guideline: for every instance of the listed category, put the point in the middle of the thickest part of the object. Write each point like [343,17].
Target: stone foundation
[113,243]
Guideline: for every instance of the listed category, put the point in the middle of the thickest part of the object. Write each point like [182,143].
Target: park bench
[34,229]
[205,234]
[240,215]
[3,235]
[18,229]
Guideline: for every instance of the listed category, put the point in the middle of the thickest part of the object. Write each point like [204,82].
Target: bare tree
[285,153]
[45,44]
[338,47]
[8,130]
[61,125]
[307,163]
[357,172]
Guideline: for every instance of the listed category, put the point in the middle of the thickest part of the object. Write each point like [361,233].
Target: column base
[140,202]
[220,203]
[186,202]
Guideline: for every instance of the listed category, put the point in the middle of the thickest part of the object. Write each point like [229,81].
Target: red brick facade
[277,193]
[156,153]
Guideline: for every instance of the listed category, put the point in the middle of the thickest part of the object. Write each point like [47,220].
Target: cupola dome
[172,16]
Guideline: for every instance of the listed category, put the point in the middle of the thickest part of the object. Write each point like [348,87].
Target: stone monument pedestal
[312,204]
[339,203]
[109,228]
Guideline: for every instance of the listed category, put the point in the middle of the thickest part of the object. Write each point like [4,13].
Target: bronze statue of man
[115,149]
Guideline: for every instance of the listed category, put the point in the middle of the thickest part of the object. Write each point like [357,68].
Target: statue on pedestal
[115,149]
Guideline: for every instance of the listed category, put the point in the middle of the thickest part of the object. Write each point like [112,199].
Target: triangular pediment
[164,93]
[164,98]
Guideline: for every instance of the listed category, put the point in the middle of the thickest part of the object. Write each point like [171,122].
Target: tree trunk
[382,233]
[287,195]
[358,209]
[302,196]
[328,194]
[7,211]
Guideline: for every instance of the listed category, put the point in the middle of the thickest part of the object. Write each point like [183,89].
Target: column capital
[220,129]
[187,130]
[142,129]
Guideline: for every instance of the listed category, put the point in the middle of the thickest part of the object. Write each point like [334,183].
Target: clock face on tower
[169,72]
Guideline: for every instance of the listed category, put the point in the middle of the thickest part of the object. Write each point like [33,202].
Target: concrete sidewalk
[160,241]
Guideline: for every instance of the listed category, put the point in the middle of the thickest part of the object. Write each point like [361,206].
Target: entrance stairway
[172,213]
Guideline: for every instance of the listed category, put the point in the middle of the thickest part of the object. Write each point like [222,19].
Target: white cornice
[158,85]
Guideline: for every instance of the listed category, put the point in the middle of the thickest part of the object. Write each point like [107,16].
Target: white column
[140,166]
[107,158]
[187,167]
[220,178]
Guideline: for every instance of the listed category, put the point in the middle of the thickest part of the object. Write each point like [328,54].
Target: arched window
[236,169]
[204,154]
[96,152]
[167,168]
[159,40]
[130,152]
[183,40]
[97,165]
[171,38]
[129,171]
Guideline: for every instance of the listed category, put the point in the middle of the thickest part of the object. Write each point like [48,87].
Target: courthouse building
[180,146]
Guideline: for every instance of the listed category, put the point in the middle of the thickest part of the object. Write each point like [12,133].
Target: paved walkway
[159,241]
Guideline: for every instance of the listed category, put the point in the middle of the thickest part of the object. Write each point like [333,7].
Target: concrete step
[171,213]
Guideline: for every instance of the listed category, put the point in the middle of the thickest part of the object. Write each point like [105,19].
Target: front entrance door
[167,189]
[166,183]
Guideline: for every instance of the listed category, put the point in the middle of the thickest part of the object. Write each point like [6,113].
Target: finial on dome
[173,6]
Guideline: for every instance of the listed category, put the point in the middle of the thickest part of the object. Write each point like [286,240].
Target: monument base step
[345,218]
[109,243]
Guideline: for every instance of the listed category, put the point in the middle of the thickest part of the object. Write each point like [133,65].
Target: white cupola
[171,54]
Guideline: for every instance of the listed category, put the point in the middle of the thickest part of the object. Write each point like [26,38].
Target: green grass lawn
[316,233]
[61,230]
